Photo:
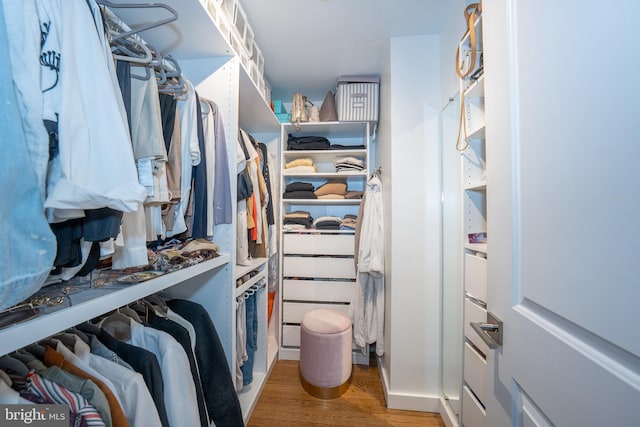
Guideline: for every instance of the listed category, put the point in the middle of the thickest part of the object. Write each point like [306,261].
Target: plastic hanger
[128,311]
[118,325]
[130,48]
[143,27]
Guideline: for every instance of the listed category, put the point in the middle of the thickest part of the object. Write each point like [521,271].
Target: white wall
[409,154]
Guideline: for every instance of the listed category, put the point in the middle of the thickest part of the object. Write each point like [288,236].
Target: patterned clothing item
[82,412]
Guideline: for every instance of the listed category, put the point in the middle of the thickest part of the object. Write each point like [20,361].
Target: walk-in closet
[245,213]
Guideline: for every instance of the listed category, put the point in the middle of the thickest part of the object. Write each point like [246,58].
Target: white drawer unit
[475,276]
[293,311]
[474,313]
[324,244]
[473,413]
[475,371]
[319,267]
[318,290]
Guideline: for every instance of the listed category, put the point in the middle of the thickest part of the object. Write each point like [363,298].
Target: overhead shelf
[92,302]
[193,35]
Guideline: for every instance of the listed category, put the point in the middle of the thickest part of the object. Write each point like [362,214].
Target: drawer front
[318,290]
[291,336]
[319,267]
[475,372]
[474,313]
[473,414]
[475,276]
[292,312]
[319,244]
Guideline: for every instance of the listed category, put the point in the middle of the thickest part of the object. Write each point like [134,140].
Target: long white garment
[180,397]
[138,405]
[188,114]
[95,160]
[210,154]
[23,33]
[131,243]
[367,304]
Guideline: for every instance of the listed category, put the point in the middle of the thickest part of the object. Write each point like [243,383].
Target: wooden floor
[284,402]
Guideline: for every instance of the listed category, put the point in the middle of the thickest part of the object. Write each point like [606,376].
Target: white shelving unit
[474,203]
[317,266]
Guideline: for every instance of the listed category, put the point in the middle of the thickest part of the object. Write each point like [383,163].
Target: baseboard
[405,401]
[449,418]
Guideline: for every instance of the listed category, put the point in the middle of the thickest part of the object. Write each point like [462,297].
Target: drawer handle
[490,331]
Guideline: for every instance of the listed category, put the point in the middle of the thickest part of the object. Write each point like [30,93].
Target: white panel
[291,335]
[317,290]
[474,313]
[322,244]
[293,311]
[475,371]
[475,276]
[321,267]
[473,414]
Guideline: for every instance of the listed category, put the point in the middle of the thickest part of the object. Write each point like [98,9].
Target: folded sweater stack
[327,223]
[299,190]
[348,164]
[333,189]
[297,220]
[304,165]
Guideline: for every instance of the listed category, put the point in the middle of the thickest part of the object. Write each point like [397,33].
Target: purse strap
[471,12]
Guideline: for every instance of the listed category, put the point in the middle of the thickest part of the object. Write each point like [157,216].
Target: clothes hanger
[79,334]
[128,311]
[67,339]
[130,48]
[158,304]
[143,27]
[118,325]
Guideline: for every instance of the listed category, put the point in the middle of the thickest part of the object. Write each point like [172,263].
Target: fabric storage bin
[357,99]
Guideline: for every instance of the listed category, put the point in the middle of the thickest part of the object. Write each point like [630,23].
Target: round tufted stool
[325,353]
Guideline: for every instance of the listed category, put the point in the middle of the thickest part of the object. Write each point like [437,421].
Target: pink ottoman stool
[325,353]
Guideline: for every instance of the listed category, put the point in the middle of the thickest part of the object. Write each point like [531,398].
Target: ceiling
[307,44]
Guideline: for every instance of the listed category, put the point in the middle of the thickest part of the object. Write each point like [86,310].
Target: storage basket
[357,98]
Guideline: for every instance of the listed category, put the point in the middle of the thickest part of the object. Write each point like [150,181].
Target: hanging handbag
[328,112]
[466,67]
[299,113]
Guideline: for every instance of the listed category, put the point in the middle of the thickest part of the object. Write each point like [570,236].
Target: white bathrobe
[367,304]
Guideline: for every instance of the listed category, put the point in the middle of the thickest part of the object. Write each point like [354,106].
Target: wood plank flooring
[284,402]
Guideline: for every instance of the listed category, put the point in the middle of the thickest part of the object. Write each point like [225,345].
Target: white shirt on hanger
[180,397]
